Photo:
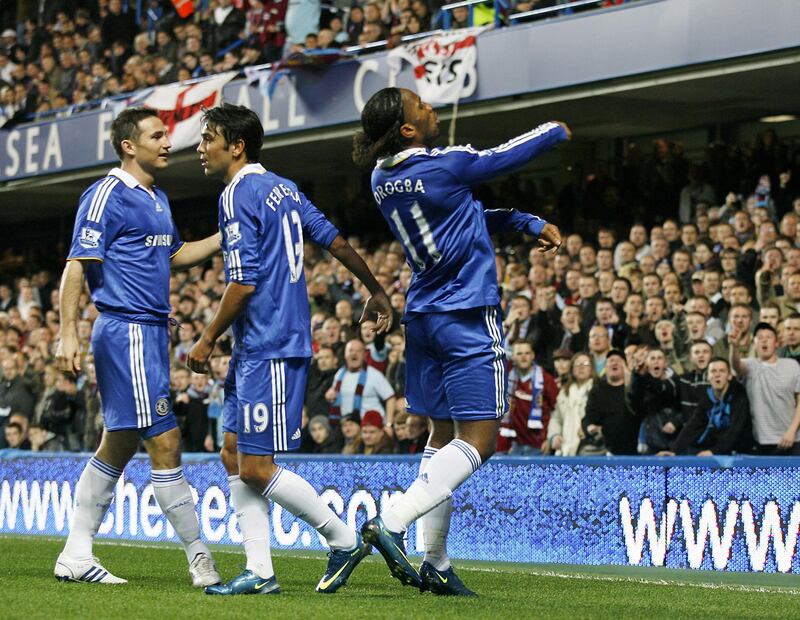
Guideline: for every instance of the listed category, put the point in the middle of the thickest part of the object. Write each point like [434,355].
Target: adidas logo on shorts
[296,435]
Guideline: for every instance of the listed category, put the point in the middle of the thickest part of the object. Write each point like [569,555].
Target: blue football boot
[393,550]
[341,564]
[442,582]
[246,583]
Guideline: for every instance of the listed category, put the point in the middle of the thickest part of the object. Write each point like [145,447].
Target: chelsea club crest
[162,406]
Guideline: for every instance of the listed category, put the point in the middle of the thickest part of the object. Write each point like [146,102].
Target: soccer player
[454,334]
[264,220]
[125,243]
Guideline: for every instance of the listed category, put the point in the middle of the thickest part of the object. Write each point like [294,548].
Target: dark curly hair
[381,120]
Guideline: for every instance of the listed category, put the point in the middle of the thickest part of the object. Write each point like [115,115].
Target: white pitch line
[737,587]
[734,587]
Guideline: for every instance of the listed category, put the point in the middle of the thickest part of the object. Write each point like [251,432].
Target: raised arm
[480,166]
[738,366]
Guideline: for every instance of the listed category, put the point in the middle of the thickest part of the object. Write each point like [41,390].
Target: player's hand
[566,128]
[68,357]
[378,304]
[197,360]
[549,239]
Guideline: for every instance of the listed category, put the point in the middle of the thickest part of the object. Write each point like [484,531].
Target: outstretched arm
[195,252]
[480,166]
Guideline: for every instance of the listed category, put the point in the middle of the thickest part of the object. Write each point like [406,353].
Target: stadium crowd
[65,54]
[678,334]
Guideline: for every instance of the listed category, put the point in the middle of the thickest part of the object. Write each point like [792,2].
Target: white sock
[435,524]
[299,497]
[175,499]
[252,513]
[93,495]
[447,469]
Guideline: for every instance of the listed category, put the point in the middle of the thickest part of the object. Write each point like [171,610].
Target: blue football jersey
[425,197]
[127,236]
[264,219]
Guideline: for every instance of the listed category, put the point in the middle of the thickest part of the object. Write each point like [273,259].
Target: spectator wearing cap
[564,433]
[654,399]
[374,438]
[561,360]
[532,393]
[608,413]
[773,385]
[350,426]
[720,422]
[359,388]
[325,439]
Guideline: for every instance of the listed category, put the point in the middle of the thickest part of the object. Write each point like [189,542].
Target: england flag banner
[181,106]
[445,67]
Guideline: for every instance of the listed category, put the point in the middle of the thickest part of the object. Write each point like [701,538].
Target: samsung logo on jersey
[278,193]
[400,186]
[155,241]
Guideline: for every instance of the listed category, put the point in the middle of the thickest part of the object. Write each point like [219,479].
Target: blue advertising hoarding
[728,514]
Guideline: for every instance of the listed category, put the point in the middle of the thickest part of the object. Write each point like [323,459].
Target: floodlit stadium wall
[635,39]
[721,513]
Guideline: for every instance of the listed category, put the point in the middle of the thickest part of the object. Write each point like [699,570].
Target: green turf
[159,588]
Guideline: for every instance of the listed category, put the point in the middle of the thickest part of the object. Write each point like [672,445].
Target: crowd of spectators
[679,335]
[63,55]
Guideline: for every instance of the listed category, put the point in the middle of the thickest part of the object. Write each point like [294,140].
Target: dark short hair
[718,358]
[762,326]
[234,123]
[126,126]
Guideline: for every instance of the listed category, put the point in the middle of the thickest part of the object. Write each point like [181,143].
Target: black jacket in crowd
[608,408]
[656,402]
[738,437]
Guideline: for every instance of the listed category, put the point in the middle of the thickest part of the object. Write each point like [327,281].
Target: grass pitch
[160,588]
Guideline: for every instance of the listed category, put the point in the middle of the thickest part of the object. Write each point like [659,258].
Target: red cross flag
[181,106]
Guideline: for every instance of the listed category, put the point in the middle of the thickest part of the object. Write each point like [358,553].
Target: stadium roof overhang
[701,96]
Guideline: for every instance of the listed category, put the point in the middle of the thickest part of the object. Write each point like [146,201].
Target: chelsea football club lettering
[153,241]
[398,186]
